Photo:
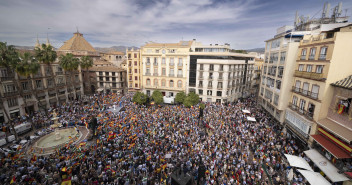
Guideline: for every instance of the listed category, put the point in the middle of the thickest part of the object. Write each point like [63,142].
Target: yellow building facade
[134,70]
[164,67]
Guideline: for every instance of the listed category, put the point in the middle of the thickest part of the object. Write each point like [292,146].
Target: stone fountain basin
[50,142]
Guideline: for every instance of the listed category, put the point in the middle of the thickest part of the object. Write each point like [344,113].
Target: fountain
[57,135]
[56,120]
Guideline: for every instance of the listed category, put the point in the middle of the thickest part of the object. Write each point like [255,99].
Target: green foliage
[157,97]
[45,54]
[191,99]
[86,62]
[139,98]
[8,56]
[68,62]
[27,66]
[202,106]
[180,97]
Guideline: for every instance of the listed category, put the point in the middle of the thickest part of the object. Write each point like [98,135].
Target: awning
[246,111]
[314,178]
[298,162]
[331,147]
[337,129]
[325,165]
[100,89]
[251,119]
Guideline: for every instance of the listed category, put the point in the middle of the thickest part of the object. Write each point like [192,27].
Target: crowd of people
[150,144]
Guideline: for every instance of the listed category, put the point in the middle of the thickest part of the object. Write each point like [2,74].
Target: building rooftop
[77,43]
[345,83]
[181,44]
[101,62]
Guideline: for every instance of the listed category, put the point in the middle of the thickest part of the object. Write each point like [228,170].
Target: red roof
[331,147]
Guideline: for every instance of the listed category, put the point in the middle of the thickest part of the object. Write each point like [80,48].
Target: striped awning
[344,83]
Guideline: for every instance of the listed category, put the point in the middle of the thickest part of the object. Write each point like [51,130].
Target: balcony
[172,64]
[210,86]
[147,74]
[305,93]
[180,64]
[311,57]
[60,73]
[200,77]
[310,75]
[179,76]
[13,93]
[220,79]
[322,57]
[7,78]
[38,75]
[155,74]
[307,114]
[155,64]
[60,84]
[200,86]
[219,87]
[303,57]
[148,63]
[171,75]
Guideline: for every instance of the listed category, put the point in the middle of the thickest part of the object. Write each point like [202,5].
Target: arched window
[148,81]
[163,82]
[179,84]
[155,82]
[171,83]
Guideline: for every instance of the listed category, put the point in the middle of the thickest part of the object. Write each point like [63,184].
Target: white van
[11,138]
[23,128]
[2,135]
[2,142]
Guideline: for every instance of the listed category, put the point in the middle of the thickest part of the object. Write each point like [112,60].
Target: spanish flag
[341,109]
[34,158]
[64,169]
[164,166]
[13,180]
[149,157]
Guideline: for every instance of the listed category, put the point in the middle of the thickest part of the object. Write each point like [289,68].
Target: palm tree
[9,59]
[69,63]
[86,63]
[26,67]
[47,55]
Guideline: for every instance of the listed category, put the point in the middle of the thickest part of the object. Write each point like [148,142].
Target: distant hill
[115,48]
[258,50]
[25,47]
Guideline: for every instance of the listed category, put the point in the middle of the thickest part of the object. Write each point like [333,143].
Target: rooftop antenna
[339,9]
[323,15]
[77,29]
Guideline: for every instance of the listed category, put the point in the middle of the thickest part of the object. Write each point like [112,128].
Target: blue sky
[244,24]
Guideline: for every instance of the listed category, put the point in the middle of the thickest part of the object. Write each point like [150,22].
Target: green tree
[202,105]
[191,99]
[180,97]
[9,60]
[69,63]
[46,55]
[27,66]
[86,63]
[157,97]
[139,98]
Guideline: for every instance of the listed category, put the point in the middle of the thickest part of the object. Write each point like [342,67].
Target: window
[200,84]
[201,67]
[302,104]
[179,73]
[106,78]
[163,51]
[39,83]
[219,84]
[135,55]
[311,108]
[163,82]
[281,72]
[163,62]
[312,53]
[129,55]
[135,70]
[148,61]
[209,92]
[305,88]
[106,73]
[135,85]
[200,92]
[114,85]
[171,73]
[113,74]
[309,68]
[100,73]
[136,78]
[12,102]
[148,81]
[298,85]
[114,79]
[155,61]
[323,52]
[278,84]
[275,43]
[147,71]
[135,63]
[171,83]
[210,76]
[171,61]
[155,71]
[156,51]
[130,78]
[303,54]
[315,91]
[220,76]
[179,84]
[300,67]
[276,99]
[282,57]
[155,82]
[294,100]
[211,67]
[163,71]
[129,63]
[264,71]
[319,69]
[180,62]
[101,84]
[210,84]
[221,67]
[218,93]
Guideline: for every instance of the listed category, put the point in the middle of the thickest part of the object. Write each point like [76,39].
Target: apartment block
[134,70]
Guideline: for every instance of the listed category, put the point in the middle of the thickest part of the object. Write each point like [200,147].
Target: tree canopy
[139,98]
[45,54]
[191,99]
[180,97]
[157,97]
[68,62]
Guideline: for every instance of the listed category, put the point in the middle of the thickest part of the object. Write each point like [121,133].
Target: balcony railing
[179,76]
[13,93]
[155,64]
[307,114]
[305,93]
[155,74]
[61,84]
[310,75]
[60,73]
[322,57]
[210,86]
[200,86]
[201,77]
[148,63]
[171,75]
[303,57]
[172,64]
[311,57]
[147,74]
[7,78]
[180,64]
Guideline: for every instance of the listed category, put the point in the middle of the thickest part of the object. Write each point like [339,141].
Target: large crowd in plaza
[134,146]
